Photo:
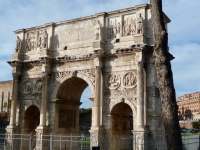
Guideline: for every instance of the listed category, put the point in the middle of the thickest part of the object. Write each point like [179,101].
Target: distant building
[5,103]
[189,106]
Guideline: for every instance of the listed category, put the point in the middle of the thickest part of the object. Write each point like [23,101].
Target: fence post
[71,143]
[12,139]
[21,142]
[5,140]
[51,141]
[30,142]
[60,141]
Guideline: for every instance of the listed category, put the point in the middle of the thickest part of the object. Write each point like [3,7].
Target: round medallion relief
[27,87]
[38,86]
[113,81]
[130,80]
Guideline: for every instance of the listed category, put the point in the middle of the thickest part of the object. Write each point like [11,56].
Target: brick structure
[189,106]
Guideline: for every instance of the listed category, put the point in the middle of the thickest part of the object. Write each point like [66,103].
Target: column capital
[98,69]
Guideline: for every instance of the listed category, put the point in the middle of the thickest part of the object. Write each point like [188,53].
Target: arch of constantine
[111,52]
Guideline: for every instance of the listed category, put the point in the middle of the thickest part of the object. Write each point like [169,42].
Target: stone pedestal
[16,56]
[13,140]
[139,39]
[140,139]
[45,52]
[42,140]
[96,138]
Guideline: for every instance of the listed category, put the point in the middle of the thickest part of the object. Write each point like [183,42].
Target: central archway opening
[73,115]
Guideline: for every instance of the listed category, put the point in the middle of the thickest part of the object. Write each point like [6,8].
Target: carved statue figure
[39,41]
[115,28]
[45,39]
[110,30]
[118,28]
[29,44]
[140,24]
[18,44]
[98,30]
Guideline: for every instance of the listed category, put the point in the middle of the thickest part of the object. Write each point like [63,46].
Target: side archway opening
[31,119]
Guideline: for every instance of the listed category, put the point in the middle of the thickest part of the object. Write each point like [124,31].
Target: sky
[184,31]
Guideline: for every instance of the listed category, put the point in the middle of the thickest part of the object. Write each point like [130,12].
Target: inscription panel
[73,32]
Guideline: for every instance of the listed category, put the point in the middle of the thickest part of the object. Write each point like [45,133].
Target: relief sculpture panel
[121,84]
[114,28]
[129,25]
[31,89]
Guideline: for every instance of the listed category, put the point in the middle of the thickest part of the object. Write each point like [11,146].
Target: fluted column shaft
[96,105]
[14,100]
[140,95]
[44,100]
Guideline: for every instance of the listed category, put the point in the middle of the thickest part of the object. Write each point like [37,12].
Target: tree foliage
[196,125]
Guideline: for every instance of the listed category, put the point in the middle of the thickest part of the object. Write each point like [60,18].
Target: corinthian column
[14,101]
[44,99]
[97,96]
[96,105]
[140,96]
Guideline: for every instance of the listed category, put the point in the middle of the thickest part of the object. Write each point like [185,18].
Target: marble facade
[109,52]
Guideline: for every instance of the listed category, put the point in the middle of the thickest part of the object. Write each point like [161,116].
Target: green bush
[196,125]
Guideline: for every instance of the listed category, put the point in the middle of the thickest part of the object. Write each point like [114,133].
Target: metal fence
[82,142]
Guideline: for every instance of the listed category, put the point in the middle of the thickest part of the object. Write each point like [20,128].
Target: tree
[196,125]
[162,59]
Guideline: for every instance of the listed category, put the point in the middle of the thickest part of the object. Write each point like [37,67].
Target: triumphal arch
[111,52]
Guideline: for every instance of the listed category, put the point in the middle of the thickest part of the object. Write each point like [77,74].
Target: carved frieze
[67,118]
